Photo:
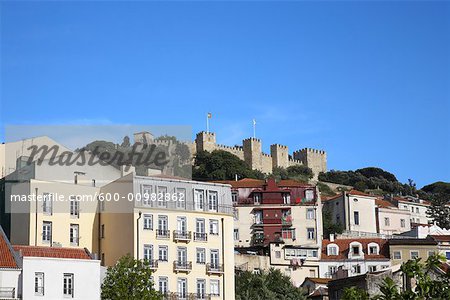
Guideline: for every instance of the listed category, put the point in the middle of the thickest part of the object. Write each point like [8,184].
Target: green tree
[354,293]
[221,165]
[328,226]
[300,172]
[271,285]
[439,211]
[129,279]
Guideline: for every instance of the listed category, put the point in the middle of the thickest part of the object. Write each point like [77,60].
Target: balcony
[186,296]
[214,269]
[258,239]
[162,234]
[182,236]
[7,293]
[153,264]
[200,236]
[182,266]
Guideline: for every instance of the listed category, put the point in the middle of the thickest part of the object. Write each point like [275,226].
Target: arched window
[373,249]
[332,249]
[355,250]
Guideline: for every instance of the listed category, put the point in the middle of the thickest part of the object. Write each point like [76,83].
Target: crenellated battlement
[251,153]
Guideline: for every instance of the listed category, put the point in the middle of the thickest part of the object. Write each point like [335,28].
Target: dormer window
[234,197]
[374,249]
[257,198]
[355,250]
[286,198]
[309,195]
[332,249]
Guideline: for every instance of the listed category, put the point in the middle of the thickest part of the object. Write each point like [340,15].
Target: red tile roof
[383,203]
[7,258]
[54,252]
[318,280]
[358,193]
[344,245]
[441,238]
[331,198]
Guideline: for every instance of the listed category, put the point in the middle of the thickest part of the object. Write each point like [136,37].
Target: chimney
[331,237]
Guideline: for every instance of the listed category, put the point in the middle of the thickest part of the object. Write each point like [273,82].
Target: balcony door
[182,255]
[181,224]
[214,258]
[182,288]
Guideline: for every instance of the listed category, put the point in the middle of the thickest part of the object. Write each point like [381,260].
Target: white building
[57,273]
[354,256]
[10,287]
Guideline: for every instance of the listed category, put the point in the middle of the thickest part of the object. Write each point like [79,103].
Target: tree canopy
[221,165]
[270,285]
[129,279]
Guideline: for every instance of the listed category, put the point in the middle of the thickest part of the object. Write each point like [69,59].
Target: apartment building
[402,250]
[182,227]
[353,256]
[268,211]
[53,205]
[391,219]
[417,207]
[354,210]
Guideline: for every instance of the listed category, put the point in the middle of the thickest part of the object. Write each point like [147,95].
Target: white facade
[10,287]
[77,278]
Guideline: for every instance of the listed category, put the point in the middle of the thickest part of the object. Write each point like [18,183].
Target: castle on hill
[251,153]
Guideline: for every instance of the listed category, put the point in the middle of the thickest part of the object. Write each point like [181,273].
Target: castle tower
[252,153]
[205,141]
[314,159]
[143,137]
[280,156]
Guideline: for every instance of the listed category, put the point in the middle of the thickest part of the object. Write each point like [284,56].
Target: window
[412,209]
[74,207]
[200,234]
[257,198]
[214,258]
[277,254]
[68,285]
[214,286]
[148,252]
[356,269]
[402,223]
[201,256]
[102,231]
[236,234]
[163,253]
[234,197]
[199,199]
[417,210]
[212,201]
[201,288]
[214,227]
[148,222]
[47,206]
[74,234]
[182,288]
[332,250]
[47,232]
[310,233]
[414,254]
[310,213]
[286,198]
[162,194]
[309,195]
[431,253]
[146,194]
[312,273]
[372,268]
[373,249]
[332,269]
[356,217]
[387,222]
[355,250]
[182,255]
[163,284]
[39,284]
[288,234]
[181,198]
[397,255]
[447,255]
[162,224]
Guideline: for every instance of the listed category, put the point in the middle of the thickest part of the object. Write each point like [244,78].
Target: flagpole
[254,128]
[207,123]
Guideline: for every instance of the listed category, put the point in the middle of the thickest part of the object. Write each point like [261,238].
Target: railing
[189,206]
[153,264]
[7,293]
[352,234]
[182,235]
[214,268]
[182,266]
[162,234]
[200,236]
[39,290]
[186,296]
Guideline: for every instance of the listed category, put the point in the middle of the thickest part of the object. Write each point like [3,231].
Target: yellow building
[187,237]
[402,250]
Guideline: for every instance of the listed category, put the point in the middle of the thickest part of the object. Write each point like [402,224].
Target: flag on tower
[209,115]
[254,122]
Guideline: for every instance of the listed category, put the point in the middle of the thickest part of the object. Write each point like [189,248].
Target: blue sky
[368,81]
